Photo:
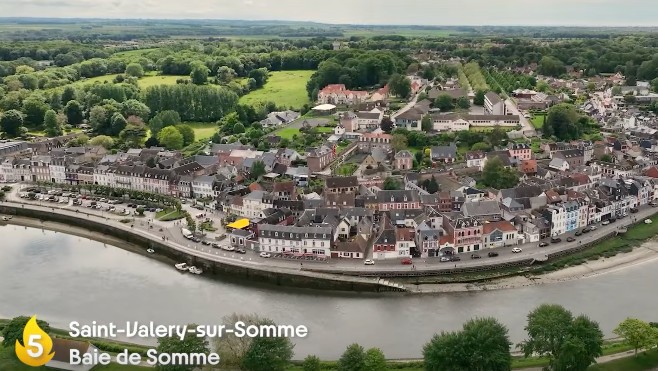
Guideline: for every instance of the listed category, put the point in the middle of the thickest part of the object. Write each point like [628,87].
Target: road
[528,129]
[408,106]
[171,232]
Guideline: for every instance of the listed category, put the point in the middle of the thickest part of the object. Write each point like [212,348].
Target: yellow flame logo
[38,345]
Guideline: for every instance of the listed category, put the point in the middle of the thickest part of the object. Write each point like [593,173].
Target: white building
[202,186]
[295,240]
[493,105]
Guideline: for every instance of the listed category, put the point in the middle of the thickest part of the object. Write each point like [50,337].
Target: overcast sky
[412,12]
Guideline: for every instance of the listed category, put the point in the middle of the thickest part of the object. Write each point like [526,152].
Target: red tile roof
[503,225]
[651,172]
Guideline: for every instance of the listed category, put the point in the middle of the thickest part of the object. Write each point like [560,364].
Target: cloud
[424,12]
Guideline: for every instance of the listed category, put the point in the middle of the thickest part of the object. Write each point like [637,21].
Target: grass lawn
[284,88]
[486,129]
[326,129]
[169,214]
[287,133]
[643,361]
[537,121]
[150,79]
[203,130]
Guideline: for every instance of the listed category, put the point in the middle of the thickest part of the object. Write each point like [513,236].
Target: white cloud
[426,12]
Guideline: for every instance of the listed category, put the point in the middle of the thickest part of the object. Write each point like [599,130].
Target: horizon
[514,13]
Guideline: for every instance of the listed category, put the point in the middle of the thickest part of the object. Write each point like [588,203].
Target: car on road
[586,230]
[556,240]
[228,248]
[592,228]
[216,245]
[634,210]
[205,242]
[241,251]
[653,204]
[444,259]
[570,239]
[543,244]
[369,262]
[406,261]
[578,233]
[475,256]
[516,250]
[455,258]
[605,222]
[492,254]
[265,254]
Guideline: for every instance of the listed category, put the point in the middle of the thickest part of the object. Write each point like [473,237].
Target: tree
[483,344]
[495,175]
[568,343]
[79,141]
[187,132]
[562,122]
[135,70]
[117,124]
[73,112]
[14,330]
[444,102]
[34,108]
[268,353]
[542,86]
[199,74]
[311,363]
[98,118]
[400,85]
[443,353]
[68,94]
[463,103]
[496,136]
[11,122]
[257,170]
[478,100]
[551,66]
[133,107]
[238,128]
[637,333]
[353,359]
[432,185]
[374,360]
[387,124]
[391,183]
[191,343]
[260,76]
[171,138]
[102,140]
[399,142]
[140,211]
[426,123]
[134,134]
[163,119]
[606,158]
[480,146]
[51,124]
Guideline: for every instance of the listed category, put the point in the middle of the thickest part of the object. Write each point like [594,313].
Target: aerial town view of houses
[451,172]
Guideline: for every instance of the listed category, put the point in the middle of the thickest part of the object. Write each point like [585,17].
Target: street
[171,233]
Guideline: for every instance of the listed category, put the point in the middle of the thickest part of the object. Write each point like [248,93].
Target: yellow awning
[239,224]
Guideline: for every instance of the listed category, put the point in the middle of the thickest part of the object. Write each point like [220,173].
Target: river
[63,278]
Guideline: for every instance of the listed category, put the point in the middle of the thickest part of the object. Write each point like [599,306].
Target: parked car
[205,242]
[592,228]
[543,244]
[455,258]
[634,210]
[406,261]
[492,254]
[556,240]
[612,220]
[241,251]
[578,233]
[570,239]
[369,262]
[265,254]
[475,256]
[605,222]
[516,250]
[586,230]
[653,204]
[445,259]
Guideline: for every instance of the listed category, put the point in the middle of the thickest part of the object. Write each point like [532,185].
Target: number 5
[32,342]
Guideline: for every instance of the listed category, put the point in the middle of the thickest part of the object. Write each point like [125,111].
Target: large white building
[493,105]
[295,240]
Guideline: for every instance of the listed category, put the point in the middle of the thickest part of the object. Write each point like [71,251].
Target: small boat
[195,270]
[150,251]
[182,266]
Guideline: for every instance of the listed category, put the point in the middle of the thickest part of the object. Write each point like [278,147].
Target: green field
[144,82]
[203,130]
[537,121]
[284,88]
[288,132]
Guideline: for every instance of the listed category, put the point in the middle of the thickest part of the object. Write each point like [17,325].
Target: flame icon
[38,345]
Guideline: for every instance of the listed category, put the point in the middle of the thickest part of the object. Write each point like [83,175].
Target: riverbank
[645,253]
